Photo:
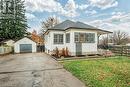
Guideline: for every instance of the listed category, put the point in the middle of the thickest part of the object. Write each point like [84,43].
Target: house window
[76,37]
[58,38]
[80,37]
[90,38]
[68,38]
[85,37]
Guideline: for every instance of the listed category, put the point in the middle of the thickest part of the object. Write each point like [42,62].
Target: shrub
[57,52]
[63,52]
[67,52]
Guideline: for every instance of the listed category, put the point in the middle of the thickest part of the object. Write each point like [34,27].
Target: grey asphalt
[34,70]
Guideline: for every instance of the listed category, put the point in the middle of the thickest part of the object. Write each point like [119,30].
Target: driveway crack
[30,71]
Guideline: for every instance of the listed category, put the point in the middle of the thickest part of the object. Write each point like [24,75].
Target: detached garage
[25,45]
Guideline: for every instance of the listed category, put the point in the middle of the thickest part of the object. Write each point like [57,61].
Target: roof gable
[25,38]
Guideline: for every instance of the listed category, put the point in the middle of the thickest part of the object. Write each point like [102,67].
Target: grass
[111,72]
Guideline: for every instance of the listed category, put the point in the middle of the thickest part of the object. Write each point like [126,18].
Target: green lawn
[111,72]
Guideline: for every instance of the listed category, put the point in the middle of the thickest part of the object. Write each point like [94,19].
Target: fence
[5,50]
[120,50]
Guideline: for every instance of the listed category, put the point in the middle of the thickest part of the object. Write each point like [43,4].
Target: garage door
[27,48]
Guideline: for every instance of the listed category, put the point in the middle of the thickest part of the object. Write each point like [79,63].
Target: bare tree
[49,23]
[119,37]
[103,43]
[116,38]
[104,40]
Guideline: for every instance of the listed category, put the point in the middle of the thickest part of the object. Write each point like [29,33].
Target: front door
[78,49]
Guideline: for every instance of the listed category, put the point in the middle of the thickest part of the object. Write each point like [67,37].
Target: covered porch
[100,47]
[103,32]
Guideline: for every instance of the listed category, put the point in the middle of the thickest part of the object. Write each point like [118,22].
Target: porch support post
[98,38]
[107,40]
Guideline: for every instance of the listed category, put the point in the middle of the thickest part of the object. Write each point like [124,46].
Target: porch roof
[101,32]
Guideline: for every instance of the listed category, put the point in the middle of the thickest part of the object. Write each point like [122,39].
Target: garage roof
[24,37]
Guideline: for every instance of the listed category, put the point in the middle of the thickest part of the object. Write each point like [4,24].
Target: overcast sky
[106,14]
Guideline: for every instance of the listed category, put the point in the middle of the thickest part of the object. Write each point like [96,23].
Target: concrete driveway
[34,70]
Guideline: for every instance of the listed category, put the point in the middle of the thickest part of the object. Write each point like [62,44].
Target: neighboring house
[8,42]
[6,46]
[25,45]
[79,38]
[39,40]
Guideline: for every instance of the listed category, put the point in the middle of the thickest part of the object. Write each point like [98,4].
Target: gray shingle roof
[70,24]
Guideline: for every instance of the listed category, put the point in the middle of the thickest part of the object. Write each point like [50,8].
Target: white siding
[49,43]
[5,50]
[24,41]
[70,45]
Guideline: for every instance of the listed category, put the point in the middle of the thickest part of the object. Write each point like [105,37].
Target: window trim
[67,37]
[91,37]
[76,37]
[57,39]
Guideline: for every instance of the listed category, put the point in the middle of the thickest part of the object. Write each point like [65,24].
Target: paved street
[34,70]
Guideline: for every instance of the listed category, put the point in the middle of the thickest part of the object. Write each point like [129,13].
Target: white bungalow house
[78,37]
[6,46]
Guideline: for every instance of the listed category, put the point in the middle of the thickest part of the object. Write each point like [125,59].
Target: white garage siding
[24,41]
